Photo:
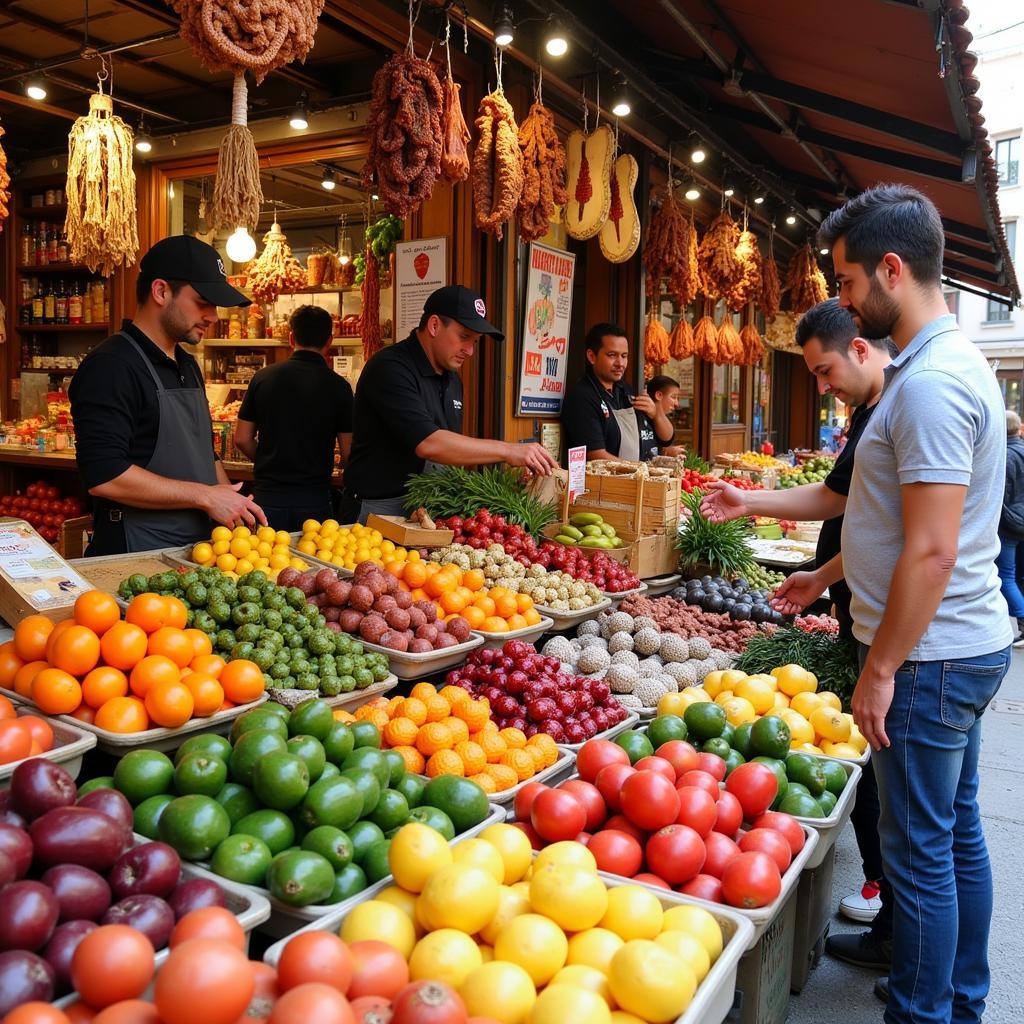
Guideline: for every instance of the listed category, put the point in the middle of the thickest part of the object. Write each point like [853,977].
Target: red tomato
[712,764]
[617,852]
[751,880]
[680,755]
[593,803]
[597,754]
[315,956]
[112,963]
[697,809]
[530,832]
[728,815]
[377,970]
[428,1002]
[767,840]
[702,780]
[786,824]
[309,1002]
[370,1009]
[704,887]
[609,782]
[621,823]
[203,973]
[557,815]
[755,786]
[657,764]
[720,850]
[525,798]
[649,800]
[675,853]
[646,878]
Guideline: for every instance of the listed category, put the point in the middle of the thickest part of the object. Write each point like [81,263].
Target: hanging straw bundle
[275,270]
[237,192]
[705,338]
[101,224]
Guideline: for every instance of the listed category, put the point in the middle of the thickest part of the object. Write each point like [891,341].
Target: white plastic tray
[562,768]
[415,666]
[617,599]
[357,698]
[562,621]
[627,723]
[70,744]
[527,633]
[658,585]
[828,829]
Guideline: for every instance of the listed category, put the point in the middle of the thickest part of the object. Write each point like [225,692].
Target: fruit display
[448,732]
[743,483]
[43,507]
[346,546]
[530,692]
[649,807]
[588,566]
[482,529]
[738,598]
[22,736]
[761,578]
[146,672]
[226,413]
[813,471]
[294,802]
[588,530]
[70,866]
[635,658]
[239,552]
[687,620]
[696,480]
[720,548]
[752,461]
[372,606]
[817,624]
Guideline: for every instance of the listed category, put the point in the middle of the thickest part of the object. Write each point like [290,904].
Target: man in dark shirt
[142,422]
[602,414]
[408,407]
[292,416]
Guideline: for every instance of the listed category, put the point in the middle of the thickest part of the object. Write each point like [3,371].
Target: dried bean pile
[688,620]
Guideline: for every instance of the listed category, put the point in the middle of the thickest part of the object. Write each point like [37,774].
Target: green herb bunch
[691,460]
[722,547]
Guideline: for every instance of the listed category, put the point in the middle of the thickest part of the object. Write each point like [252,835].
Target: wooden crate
[107,571]
[74,536]
[657,501]
[647,555]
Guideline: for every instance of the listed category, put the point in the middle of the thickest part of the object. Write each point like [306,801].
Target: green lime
[205,743]
[249,748]
[349,881]
[338,743]
[716,746]
[237,801]
[103,782]
[311,718]
[779,768]
[665,728]
[368,785]
[728,732]
[365,734]
[311,750]
[278,709]
[741,740]
[336,801]
[143,773]
[375,862]
[835,776]
[461,799]
[194,825]
[273,827]
[733,760]
[411,787]
[827,801]
[200,773]
[363,835]
[371,759]
[147,814]
[635,744]
[242,858]
[262,719]
[397,765]
[807,770]
[770,737]
[801,805]
[300,878]
[332,844]
[280,780]
[331,771]
[392,811]
[704,720]
[435,818]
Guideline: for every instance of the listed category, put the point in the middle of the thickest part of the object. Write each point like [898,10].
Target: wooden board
[107,572]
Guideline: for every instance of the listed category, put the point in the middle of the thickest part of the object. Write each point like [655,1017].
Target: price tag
[577,471]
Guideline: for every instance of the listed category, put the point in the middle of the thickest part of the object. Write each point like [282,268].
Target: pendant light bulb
[620,102]
[35,88]
[241,246]
[758,199]
[692,192]
[504,29]
[143,142]
[299,117]
[557,43]
[823,250]
[699,155]
[329,181]
[791,218]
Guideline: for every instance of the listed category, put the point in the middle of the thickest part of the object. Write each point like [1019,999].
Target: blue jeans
[933,846]
[1006,564]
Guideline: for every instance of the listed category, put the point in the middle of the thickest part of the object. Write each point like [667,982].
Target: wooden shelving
[53,268]
[56,328]
[42,212]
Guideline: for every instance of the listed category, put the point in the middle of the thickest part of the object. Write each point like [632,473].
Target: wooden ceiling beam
[20,100]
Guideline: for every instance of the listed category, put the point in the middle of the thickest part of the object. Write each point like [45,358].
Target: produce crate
[763,975]
[407,534]
[813,915]
[828,829]
[627,723]
[562,622]
[107,571]
[74,536]
[341,570]
[530,634]
[70,745]
[416,666]
[656,501]
[183,556]
[859,761]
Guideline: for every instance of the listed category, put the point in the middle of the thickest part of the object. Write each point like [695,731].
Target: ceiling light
[35,87]
[620,102]
[728,188]
[143,143]
[791,218]
[504,30]
[557,44]
[692,192]
[698,156]
[299,118]
[823,250]
[328,181]
[758,199]
[241,246]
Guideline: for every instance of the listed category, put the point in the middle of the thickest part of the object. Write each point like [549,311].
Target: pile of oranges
[448,732]
[148,671]
[22,736]
[465,593]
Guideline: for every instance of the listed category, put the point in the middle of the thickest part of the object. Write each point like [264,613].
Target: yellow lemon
[240,547]
[513,847]
[829,724]
[480,854]
[511,903]
[723,697]
[536,944]
[404,900]
[648,980]
[595,948]
[243,565]
[265,534]
[672,704]
[278,562]
[264,549]
[800,729]
[793,680]
[241,531]
[621,1017]
[714,683]
[330,526]
[831,699]
[847,751]
[809,748]
[202,553]
[226,562]
[805,702]
[311,526]
[460,897]
[582,976]
[760,694]
[571,896]
[558,1004]
[383,922]
[633,913]
[447,955]
[739,711]
[689,949]
[781,701]
[220,533]
[732,677]
[283,537]
[307,547]
[698,922]
[220,547]
[766,677]
[857,740]
[323,554]
[297,563]
[416,853]
[693,695]
[566,852]
[500,990]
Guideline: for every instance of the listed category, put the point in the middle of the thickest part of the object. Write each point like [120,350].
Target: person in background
[293,415]
[1011,524]
[142,422]
[602,414]
[919,549]
[665,393]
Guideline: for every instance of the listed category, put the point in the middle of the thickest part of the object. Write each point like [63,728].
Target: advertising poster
[548,308]
[421,267]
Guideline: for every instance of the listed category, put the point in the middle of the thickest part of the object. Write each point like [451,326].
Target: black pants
[864,819]
[286,511]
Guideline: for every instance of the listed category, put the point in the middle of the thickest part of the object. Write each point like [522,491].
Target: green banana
[571,531]
[561,538]
[586,519]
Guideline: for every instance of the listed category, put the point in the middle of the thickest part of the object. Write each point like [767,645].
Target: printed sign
[421,267]
[577,471]
[548,308]
[344,365]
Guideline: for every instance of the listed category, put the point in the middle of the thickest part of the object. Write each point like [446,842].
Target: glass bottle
[38,304]
[51,244]
[63,255]
[75,304]
[50,306]
[28,246]
[61,303]
[41,257]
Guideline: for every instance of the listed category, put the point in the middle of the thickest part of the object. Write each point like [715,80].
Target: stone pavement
[839,992]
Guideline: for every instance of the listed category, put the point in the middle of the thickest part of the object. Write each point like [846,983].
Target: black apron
[184,451]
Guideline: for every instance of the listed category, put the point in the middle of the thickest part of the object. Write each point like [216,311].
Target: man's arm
[345,446]
[245,438]
[663,428]
[222,473]
[931,530]
[451,449]
[809,501]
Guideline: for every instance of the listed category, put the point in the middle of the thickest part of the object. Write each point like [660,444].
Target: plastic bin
[562,622]
[814,909]
[828,829]
[617,598]
[357,698]
[415,666]
[70,745]
[529,634]
[658,585]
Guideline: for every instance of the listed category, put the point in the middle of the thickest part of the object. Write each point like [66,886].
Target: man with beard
[142,422]
[919,549]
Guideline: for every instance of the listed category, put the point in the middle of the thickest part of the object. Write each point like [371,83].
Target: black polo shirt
[400,401]
[299,407]
[114,403]
[588,420]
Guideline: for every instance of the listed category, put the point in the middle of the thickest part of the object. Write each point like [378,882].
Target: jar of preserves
[316,267]
[257,322]
[280,330]
[235,327]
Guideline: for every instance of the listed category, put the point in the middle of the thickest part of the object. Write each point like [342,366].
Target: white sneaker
[863,905]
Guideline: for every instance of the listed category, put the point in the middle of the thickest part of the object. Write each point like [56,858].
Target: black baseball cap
[186,258]
[464,305]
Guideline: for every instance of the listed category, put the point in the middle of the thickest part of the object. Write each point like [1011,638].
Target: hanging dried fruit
[684,279]
[805,282]
[681,342]
[454,155]
[497,165]
[543,173]
[705,339]
[730,347]
[770,288]
[719,267]
[275,270]
[371,307]
[753,348]
[748,285]
[656,342]
[666,247]
[5,181]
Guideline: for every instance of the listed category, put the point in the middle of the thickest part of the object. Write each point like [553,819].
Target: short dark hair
[143,285]
[446,320]
[597,334]
[834,328]
[310,326]
[662,383]
[889,218]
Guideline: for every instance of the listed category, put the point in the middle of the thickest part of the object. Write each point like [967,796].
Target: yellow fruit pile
[544,940]
[347,546]
[447,732]
[240,551]
[816,719]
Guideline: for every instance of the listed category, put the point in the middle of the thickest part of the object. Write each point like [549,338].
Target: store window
[833,421]
[1001,312]
[761,422]
[726,397]
[1008,160]
[1011,384]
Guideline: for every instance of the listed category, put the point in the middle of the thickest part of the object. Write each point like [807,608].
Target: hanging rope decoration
[101,224]
[237,192]
[5,181]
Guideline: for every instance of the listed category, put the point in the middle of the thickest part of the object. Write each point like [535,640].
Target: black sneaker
[863,949]
[882,989]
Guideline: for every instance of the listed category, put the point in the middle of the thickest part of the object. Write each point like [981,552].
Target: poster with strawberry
[421,267]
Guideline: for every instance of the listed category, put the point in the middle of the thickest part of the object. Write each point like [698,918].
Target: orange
[433,737]
[485,782]
[242,681]
[76,651]
[393,703]
[521,762]
[25,675]
[485,604]
[30,636]
[15,741]
[458,729]
[452,602]
[123,646]
[474,616]
[84,713]
[454,694]
[506,605]
[169,703]
[437,708]
[523,603]
[202,645]
[153,669]
[494,624]
[515,738]
[532,617]
[419,594]
[377,716]
[421,691]
[103,684]
[444,762]
[207,693]
[56,692]
[58,631]
[177,613]
[473,758]
[492,745]
[473,712]
[6,709]
[414,760]
[171,643]
[9,664]
[148,611]
[473,579]
[122,714]
[415,574]
[538,755]
[517,621]
[40,730]
[211,664]
[400,732]
[504,777]
[97,610]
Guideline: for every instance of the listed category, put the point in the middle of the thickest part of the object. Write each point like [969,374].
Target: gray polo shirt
[940,420]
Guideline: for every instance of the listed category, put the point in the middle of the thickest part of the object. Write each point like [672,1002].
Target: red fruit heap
[743,483]
[695,481]
[43,507]
[483,529]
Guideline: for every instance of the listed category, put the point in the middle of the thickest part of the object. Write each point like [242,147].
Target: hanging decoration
[805,282]
[543,171]
[5,181]
[237,192]
[770,288]
[681,341]
[656,344]
[753,347]
[666,248]
[729,347]
[747,286]
[589,156]
[275,270]
[719,267]
[705,338]
[372,342]
[101,223]
[455,165]
[620,234]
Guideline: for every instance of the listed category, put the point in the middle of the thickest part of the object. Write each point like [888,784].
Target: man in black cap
[408,408]
[142,422]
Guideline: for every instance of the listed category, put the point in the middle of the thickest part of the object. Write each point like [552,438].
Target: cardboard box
[407,534]
[34,578]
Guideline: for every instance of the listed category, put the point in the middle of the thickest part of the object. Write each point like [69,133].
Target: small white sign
[577,471]
[344,365]
[421,267]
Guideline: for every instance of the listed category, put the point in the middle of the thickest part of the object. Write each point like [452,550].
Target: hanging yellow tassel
[237,193]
